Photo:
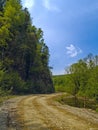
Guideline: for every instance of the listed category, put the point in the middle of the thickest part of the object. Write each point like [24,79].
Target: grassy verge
[4,98]
[77,102]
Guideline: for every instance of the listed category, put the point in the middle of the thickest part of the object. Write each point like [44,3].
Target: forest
[24,56]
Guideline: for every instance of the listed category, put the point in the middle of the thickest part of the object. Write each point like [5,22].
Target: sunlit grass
[4,98]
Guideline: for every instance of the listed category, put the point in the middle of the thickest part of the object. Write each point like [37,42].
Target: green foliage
[61,83]
[81,80]
[24,56]
[77,102]
[11,82]
[2,3]
[96,109]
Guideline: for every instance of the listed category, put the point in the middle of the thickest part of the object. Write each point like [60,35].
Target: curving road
[41,112]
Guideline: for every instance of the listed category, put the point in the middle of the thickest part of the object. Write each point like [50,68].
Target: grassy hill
[61,83]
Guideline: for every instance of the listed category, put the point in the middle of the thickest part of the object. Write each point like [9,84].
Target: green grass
[4,98]
[77,102]
[96,109]
[61,83]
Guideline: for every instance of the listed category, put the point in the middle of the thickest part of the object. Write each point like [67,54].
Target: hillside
[60,82]
[24,55]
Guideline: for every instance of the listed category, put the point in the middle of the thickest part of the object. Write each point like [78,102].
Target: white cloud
[49,6]
[73,51]
[29,3]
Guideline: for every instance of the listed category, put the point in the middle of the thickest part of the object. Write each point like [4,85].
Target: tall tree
[23,51]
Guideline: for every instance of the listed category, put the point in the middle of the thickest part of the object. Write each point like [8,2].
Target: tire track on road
[39,112]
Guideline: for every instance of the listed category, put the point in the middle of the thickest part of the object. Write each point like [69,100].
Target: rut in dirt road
[40,112]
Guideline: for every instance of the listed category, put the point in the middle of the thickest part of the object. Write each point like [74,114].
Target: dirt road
[41,112]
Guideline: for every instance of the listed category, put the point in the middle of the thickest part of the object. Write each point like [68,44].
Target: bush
[12,83]
[96,109]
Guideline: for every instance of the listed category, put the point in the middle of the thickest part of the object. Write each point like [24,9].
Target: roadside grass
[4,98]
[67,99]
[61,85]
[97,110]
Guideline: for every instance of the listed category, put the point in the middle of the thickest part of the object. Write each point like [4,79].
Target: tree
[83,77]
[2,3]
[92,85]
[23,52]
[79,77]
[77,71]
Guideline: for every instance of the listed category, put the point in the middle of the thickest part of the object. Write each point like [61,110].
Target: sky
[70,29]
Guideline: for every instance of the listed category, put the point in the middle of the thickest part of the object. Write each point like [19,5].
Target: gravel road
[41,112]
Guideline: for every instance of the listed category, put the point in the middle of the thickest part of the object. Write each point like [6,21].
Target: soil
[42,112]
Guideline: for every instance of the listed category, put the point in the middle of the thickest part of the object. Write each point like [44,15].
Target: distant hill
[60,82]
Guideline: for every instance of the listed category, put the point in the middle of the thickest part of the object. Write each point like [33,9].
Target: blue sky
[70,29]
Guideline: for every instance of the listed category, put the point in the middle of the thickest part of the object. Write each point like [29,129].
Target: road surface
[42,112]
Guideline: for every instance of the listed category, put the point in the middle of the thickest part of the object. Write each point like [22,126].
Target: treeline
[24,56]
[81,78]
